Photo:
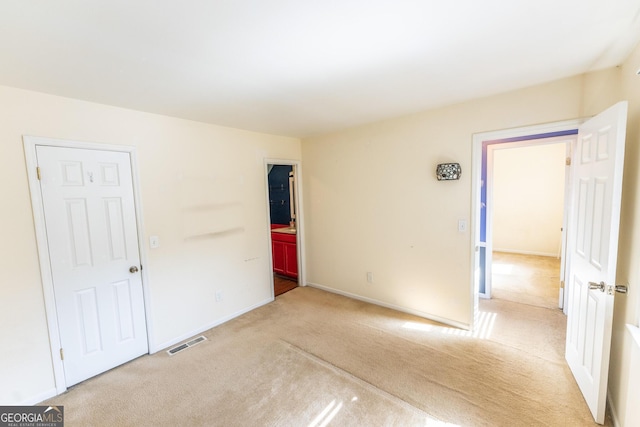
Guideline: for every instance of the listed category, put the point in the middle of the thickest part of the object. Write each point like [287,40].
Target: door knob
[593,285]
[133,269]
[610,289]
[621,289]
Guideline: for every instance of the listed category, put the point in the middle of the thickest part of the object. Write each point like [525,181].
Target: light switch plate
[154,242]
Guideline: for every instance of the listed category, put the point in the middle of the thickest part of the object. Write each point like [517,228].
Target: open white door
[593,246]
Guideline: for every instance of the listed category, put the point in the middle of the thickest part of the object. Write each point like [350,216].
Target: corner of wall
[600,90]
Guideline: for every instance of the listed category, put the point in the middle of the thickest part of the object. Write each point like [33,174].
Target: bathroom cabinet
[285,260]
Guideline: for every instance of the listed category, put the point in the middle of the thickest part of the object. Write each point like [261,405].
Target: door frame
[478,157]
[30,143]
[300,249]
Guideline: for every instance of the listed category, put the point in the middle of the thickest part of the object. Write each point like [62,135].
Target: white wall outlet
[369,277]
[462,225]
[218,296]
[154,242]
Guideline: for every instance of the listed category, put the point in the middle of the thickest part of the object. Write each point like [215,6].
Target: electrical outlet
[369,277]
[218,296]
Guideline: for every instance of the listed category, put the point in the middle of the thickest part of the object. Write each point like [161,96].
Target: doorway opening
[526,183]
[486,146]
[282,191]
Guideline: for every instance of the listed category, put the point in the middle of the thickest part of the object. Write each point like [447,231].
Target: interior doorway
[485,145]
[526,194]
[283,196]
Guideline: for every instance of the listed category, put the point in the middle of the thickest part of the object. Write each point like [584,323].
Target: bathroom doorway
[283,198]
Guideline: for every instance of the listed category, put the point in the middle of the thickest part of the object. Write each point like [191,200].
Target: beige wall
[623,389]
[372,201]
[196,179]
[528,198]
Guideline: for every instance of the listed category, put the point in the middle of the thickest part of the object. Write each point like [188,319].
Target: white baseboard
[392,306]
[206,327]
[613,410]
[519,252]
[34,400]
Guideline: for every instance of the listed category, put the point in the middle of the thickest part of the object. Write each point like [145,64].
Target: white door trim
[476,187]
[299,218]
[30,143]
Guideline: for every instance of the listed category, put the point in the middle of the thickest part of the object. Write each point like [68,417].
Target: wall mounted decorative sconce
[448,171]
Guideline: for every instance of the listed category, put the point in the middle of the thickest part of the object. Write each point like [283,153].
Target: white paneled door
[92,236]
[593,246]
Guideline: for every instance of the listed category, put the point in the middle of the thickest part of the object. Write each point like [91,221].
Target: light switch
[462,225]
[154,242]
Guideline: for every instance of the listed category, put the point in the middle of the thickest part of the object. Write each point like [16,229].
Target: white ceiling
[303,67]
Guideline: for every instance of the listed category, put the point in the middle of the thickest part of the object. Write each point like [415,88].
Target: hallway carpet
[527,279]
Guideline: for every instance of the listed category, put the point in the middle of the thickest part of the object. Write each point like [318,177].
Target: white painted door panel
[92,237]
[593,245]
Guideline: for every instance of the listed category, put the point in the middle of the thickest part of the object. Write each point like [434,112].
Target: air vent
[186,345]
[196,341]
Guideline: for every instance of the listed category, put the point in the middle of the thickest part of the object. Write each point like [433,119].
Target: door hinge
[38,173]
[568,161]
[61,354]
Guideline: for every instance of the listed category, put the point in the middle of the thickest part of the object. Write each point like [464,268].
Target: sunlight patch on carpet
[378,404]
[483,330]
[502,268]
[327,414]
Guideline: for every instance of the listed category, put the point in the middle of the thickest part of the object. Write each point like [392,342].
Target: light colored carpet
[312,358]
[527,279]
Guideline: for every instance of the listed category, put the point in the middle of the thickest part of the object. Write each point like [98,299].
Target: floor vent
[186,345]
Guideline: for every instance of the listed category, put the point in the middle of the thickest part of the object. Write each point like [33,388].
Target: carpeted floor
[312,358]
[527,279]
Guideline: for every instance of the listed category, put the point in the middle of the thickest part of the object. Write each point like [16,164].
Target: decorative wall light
[448,171]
